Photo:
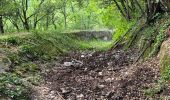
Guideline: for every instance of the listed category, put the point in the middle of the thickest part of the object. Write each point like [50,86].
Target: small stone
[101,86]
[108,80]
[82,56]
[52,92]
[80,97]
[67,64]
[85,69]
[64,90]
[90,55]
[100,73]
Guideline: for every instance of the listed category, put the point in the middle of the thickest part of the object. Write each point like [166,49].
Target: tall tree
[23,11]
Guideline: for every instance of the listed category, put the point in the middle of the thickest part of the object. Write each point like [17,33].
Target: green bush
[26,67]
[13,87]
[12,41]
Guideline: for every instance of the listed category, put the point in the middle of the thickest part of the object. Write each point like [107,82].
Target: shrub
[13,87]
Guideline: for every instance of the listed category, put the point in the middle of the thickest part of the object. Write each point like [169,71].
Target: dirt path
[98,76]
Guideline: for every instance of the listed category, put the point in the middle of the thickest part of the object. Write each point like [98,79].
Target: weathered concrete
[105,35]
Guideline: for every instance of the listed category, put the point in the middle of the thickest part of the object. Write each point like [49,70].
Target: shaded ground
[94,75]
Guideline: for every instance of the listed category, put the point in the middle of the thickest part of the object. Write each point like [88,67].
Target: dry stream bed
[95,75]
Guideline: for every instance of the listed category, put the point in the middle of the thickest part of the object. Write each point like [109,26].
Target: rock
[65,90]
[73,63]
[100,74]
[82,56]
[164,56]
[67,64]
[101,86]
[80,97]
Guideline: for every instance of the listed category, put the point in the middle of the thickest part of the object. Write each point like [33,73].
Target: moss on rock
[164,56]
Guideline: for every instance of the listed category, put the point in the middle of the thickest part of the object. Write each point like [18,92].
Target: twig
[60,96]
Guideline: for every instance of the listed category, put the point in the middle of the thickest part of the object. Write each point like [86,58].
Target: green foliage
[165,73]
[112,18]
[34,79]
[161,35]
[159,40]
[26,49]
[26,67]
[156,89]
[14,58]
[95,44]
[38,45]
[12,41]
[13,87]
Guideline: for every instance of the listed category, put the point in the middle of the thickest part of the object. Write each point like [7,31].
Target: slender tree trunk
[65,18]
[26,25]
[16,26]
[47,22]
[35,22]
[53,21]
[128,9]
[65,13]
[132,4]
[137,3]
[125,9]
[25,20]
[119,8]
[152,8]
[73,11]
[1,25]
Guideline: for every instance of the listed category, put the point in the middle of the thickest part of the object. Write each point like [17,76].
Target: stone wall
[105,35]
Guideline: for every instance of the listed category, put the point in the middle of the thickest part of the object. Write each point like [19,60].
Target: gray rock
[80,97]
[67,64]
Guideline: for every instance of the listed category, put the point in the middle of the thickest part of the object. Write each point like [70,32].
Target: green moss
[165,67]
[27,67]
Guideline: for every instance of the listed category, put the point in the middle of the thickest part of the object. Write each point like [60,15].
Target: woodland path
[94,75]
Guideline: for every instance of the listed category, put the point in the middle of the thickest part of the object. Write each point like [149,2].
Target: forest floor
[100,75]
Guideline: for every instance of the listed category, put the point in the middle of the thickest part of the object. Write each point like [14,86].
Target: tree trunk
[25,21]
[152,8]
[125,9]
[65,13]
[26,25]
[65,19]
[47,22]
[53,21]
[16,26]
[1,25]
[119,8]
[137,3]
